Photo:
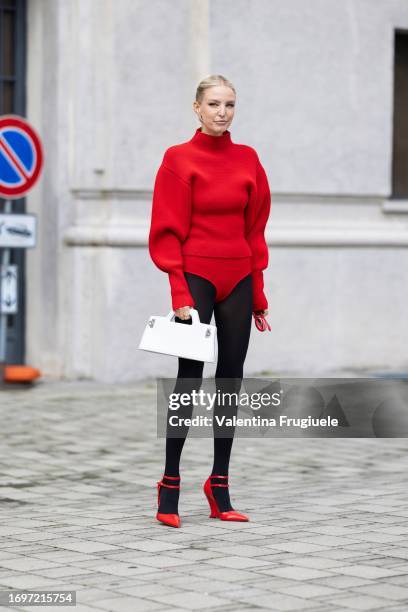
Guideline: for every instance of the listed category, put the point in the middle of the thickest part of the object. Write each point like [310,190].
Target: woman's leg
[189,378]
[233,317]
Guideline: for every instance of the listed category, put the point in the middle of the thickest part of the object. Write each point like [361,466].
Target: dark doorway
[12,101]
[400,121]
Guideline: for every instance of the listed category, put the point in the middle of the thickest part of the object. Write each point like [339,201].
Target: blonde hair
[210,81]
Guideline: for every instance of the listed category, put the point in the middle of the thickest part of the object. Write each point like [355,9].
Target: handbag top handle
[194,315]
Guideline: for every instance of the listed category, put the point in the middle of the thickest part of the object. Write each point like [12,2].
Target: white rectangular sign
[8,289]
[17,231]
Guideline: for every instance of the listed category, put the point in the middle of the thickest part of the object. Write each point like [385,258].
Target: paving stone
[309,590]
[367,571]
[237,562]
[128,604]
[295,572]
[389,591]
[298,547]
[22,564]
[190,601]
[361,602]
[315,562]
[278,601]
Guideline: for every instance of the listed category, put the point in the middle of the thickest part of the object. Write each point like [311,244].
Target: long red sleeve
[257,214]
[211,198]
[170,223]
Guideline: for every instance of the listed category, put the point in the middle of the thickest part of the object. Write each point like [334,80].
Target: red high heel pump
[229,515]
[173,520]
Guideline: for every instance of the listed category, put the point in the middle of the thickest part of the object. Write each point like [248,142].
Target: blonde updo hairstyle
[210,81]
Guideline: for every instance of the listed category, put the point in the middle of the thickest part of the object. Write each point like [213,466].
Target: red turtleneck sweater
[211,198]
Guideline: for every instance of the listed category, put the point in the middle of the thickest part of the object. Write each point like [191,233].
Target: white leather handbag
[196,341]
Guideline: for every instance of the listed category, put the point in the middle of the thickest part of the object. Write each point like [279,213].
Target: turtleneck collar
[213,143]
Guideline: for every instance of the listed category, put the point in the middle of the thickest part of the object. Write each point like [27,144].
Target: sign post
[21,162]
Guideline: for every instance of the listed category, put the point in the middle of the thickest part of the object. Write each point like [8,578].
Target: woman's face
[216,109]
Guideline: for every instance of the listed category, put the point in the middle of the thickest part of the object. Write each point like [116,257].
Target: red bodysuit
[211,202]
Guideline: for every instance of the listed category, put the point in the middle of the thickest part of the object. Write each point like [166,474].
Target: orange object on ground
[20,373]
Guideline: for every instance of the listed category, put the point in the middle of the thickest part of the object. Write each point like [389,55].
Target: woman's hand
[183,313]
[260,322]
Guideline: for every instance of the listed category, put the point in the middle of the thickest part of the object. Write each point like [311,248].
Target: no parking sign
[21,156]
[21,161]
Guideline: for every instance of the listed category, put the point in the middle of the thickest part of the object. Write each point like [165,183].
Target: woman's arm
[256,216]
[170,224]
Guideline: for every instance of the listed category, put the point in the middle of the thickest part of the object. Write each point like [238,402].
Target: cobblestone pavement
[79,465]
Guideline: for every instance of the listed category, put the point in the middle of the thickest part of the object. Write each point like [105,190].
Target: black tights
[233,318]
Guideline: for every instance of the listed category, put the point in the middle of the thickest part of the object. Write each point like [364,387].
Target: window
[400,120]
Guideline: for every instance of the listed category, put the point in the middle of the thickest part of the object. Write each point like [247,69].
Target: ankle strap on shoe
[170,486]
[214,484]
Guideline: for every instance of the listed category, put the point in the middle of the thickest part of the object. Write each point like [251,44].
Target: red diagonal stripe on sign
[13,158]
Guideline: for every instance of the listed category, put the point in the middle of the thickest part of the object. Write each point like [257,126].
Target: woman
[211,202]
